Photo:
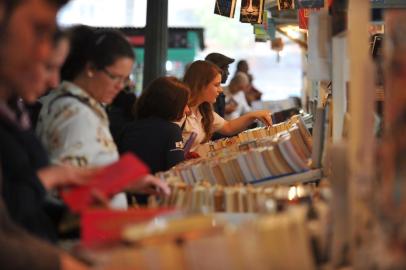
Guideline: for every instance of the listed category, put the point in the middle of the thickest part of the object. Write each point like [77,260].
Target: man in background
[223,62]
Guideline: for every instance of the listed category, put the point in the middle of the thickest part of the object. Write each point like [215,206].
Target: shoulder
[70,96]
[174,130]
[162,126]
[67,107]
[218,122]
[217,117]
[58,101]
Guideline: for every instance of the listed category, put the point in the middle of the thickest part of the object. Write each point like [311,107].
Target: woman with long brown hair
[204,80]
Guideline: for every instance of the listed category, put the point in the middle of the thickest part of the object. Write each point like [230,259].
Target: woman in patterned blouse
[73,125]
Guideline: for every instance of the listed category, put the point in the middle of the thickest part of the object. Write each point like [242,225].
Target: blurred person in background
[252,93]
[242,66]
[235,94]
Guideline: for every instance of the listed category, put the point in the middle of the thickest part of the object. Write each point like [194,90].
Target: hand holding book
[263,115]
[59,176]
[128,172]
[151,185]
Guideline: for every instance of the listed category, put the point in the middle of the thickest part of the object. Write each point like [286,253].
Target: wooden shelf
[290,179]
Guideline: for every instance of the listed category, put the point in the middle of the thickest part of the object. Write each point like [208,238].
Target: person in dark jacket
[19,250]
[120,112]
[27,174]
[153,136]
[23,50]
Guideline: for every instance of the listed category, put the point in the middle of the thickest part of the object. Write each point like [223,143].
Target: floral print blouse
[74,128]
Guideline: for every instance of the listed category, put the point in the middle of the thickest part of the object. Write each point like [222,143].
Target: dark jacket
[220,105]
[156,141]
[24,195]
[119,113]
[20,251]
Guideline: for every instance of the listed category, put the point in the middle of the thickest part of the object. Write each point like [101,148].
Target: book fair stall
[322,189]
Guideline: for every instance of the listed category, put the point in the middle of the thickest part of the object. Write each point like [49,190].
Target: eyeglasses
[126,81]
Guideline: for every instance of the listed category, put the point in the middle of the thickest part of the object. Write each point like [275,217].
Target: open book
[109,181]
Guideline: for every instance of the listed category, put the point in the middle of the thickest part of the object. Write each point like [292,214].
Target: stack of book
[211,148]
[207,198]
[277,241]
[253,155]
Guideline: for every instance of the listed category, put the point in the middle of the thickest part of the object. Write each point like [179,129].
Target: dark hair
[240,64]
[124,101]
[199,75]
[99,48]
[165,97]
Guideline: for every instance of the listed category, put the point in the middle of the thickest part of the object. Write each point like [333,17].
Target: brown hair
[10,6]
[198,76]
[165,97]
[98,47]
[240,79]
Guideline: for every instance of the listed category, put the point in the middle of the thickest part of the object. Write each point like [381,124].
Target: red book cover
[104,226]
[304,18]
[109,181]
[304,14]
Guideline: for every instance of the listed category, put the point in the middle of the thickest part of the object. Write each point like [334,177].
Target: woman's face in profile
[212,90]
[110,80]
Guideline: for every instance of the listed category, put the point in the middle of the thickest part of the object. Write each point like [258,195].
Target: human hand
[151,185]
[57,176]
[99,199]
[264,116]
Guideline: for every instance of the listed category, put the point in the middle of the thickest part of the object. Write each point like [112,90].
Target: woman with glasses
[73,125]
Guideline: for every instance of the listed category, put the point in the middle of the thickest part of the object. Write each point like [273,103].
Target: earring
[89,74]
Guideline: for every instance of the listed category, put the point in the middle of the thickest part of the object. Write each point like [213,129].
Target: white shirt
[240,100]
[193,123]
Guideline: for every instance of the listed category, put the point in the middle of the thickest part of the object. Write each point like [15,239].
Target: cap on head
[219,59]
